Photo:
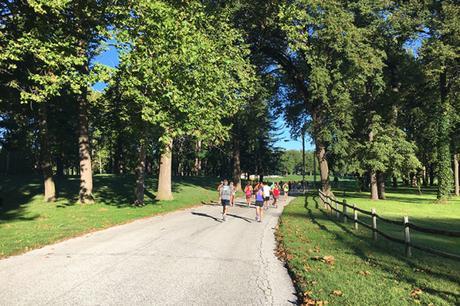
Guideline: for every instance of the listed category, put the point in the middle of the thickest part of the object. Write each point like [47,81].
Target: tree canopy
[203,88]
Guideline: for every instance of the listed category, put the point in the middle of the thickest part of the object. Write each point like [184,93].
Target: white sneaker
[223,217]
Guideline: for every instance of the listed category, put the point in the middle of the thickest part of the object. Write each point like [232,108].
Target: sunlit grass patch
[364,272]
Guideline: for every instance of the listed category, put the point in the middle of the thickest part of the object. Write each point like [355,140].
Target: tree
[178,65]
[440,56]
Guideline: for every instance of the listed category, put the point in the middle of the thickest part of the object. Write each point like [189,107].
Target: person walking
[232,197]
[225,195]
[266,194]
[276,194]
[286,191]
[218,190]
[259,204]
[248,192]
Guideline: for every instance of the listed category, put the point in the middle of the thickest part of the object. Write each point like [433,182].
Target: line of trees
[201,85]
[376,83]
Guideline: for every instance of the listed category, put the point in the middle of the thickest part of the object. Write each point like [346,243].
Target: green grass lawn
[26,222]
[364,272]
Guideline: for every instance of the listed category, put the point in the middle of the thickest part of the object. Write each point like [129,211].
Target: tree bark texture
[444,157]
[323,167]
[45,156]
[381,185]
[374,187]
[86,172]
[373,176]
[197,165]
[395,182]
[456,174]
[236,164]
[59,165]
[118,156]
[164,178]
[431,175]
[140,174]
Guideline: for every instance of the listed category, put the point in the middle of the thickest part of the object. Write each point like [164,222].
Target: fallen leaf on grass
[364,273]
[310,302]
[416,293]
[337,293]
[329,259]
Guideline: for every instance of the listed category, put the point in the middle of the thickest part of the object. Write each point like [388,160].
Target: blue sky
[110,58]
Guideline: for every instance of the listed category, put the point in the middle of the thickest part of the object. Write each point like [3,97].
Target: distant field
[26,222]
[364,272]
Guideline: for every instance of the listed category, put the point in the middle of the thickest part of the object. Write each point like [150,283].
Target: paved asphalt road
[189,257]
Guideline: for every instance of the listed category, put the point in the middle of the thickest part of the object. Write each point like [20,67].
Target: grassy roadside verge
[333,263]
[26,222]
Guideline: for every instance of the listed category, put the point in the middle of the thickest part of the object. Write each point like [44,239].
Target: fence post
[329,207]
[344,211]
[374,224]
[355,217]
[407,237]
[337,214]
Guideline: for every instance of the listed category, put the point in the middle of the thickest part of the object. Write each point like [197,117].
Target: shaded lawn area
[364,272]
[26,222]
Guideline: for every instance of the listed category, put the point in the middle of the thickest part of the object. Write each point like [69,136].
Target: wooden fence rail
[405,224]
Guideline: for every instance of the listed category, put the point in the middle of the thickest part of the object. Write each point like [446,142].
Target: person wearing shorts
[225,196]
[276,194]
[286,190]
[218,190]
[248,193]
[266,193]
[259,204]
[232,198]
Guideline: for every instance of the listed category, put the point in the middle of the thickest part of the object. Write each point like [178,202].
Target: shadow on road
[240,217]
[205,215]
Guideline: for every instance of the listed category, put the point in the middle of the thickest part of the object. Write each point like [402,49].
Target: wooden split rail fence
[333,205]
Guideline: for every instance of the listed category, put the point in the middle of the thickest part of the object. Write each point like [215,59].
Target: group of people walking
[261,193]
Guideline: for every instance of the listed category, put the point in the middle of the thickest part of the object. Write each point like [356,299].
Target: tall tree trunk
[236,163]
[59,165]
[86,172]
[45,156]
[456,174]
[140,173]
[197,165]
[425,177]
[323,167]
[431,176]
[7,163]
[444,157]
[373,175]
[164,177]
[374,187]
[381,185]
[395,181]
[118,156]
